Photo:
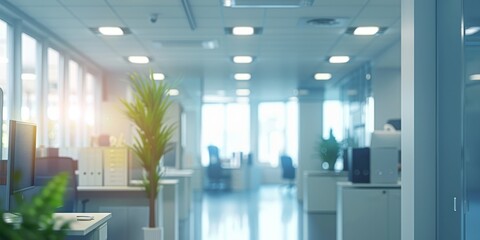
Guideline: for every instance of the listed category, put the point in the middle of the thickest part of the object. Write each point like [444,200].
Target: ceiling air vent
[267,3]
[322,22]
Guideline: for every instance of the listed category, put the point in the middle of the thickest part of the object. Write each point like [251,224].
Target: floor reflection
[272,212]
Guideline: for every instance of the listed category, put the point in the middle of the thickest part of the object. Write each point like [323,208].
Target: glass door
[472,118]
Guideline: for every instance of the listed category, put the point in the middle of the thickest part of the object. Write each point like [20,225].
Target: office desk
[129,208]
[184,177]
[246,177]
[95,229]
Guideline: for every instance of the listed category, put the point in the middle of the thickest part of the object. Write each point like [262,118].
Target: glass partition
[472,118]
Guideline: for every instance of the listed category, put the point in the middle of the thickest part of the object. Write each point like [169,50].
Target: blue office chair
[218,179]
[288,170]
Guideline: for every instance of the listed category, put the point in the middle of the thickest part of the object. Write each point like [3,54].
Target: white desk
[184,177]
[95,229]
[129,208]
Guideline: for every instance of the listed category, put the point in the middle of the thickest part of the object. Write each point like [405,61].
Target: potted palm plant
[328,150]
[147,111]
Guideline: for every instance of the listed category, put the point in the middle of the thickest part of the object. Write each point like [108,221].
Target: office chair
[288,170]
[47,167]
[217,178]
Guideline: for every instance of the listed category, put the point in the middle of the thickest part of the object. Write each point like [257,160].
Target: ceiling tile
[144,2]
[385,2]
[206,12]
[41,12]
[339,2]
[97,22]
[92,12]
[53,23]
[145,12]
[43,3]
[383,22]
[134,23]
[380,12]
[83,2]
[315,12]
[230,13]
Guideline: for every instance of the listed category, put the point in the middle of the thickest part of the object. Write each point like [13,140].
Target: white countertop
[368,185]
[81,228]
[326,173]
[135,187]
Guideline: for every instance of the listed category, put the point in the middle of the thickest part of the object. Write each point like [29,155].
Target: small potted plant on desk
[147,111]
[328,150]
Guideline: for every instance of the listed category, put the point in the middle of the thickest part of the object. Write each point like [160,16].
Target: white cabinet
[90,167]
[115,165]
[320,190]
[103,166]
[368,212]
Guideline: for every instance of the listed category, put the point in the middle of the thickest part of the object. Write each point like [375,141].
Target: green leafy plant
[147,111]
[36,217]
[328,150]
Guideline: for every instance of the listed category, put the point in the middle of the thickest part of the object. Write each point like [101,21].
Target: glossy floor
[272,212]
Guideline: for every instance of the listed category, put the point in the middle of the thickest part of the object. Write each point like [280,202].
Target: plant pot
[328,165]
[152,233]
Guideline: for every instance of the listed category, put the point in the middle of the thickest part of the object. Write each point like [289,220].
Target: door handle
[454,204]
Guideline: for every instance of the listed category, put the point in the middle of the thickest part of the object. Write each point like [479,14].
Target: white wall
[386,84]
[310,130]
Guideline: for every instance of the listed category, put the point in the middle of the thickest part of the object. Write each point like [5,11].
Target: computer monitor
[385,156]
[21,162]
[386,139]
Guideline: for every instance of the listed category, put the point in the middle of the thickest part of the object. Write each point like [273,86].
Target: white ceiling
[287,53]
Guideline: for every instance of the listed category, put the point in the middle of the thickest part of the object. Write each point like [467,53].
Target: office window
[30,79]
[4,72]
[53,98]
[278,131]
[73,104]
[226,126]
[333,119]
[89,116]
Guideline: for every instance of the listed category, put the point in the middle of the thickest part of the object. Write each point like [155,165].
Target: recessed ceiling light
[366,31]
[475,77]
[243,31]
[110,31]
[339,59]
[173,92]
[227,3]
[29,76]
[138,59]
[242,59]
[472,30]
[242,76]
[243,92]
[158,76]
[323,76]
